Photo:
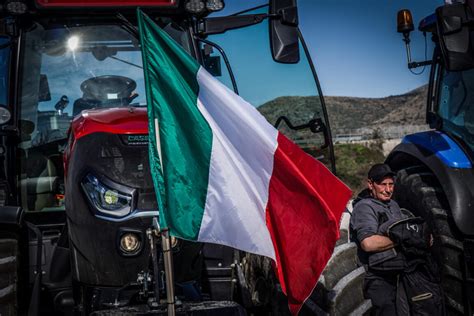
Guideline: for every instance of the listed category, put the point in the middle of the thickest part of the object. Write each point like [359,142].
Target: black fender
[11,216]
[457,183]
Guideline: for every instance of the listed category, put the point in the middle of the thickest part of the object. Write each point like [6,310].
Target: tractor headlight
[106,197]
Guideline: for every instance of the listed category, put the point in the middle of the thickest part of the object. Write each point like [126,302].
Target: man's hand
[376,243]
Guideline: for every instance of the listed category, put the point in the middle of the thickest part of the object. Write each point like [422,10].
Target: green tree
[353,162]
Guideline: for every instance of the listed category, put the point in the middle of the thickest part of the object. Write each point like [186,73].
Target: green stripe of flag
[186,138]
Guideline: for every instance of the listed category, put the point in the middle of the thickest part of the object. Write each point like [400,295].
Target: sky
[358,42]
[354,44]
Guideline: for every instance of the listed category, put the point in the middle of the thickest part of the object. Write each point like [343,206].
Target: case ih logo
[135,140]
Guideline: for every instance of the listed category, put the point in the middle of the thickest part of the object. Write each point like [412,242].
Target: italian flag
[224,175]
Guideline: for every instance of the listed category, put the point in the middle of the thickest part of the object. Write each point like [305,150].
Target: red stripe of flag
[306,202]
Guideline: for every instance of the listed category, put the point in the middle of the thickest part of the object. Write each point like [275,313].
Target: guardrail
[363,134]
[388,132]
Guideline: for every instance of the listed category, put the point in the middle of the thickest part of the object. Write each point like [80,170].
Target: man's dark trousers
[383,293]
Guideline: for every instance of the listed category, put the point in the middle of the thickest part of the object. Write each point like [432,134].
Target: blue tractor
[435,168]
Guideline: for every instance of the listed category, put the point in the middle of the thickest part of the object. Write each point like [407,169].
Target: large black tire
[8,276]
[418,190]
[340,288]
[264,294]
[339,291]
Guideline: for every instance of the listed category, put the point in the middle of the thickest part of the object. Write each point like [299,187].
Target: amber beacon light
[404,21]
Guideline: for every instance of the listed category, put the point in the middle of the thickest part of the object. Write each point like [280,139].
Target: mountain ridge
[350,113]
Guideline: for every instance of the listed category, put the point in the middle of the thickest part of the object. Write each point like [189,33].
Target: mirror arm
[221,25]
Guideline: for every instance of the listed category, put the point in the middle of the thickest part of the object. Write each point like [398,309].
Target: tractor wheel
[340,288]
[8,276]
[418,190]
[339,291]
[264,295]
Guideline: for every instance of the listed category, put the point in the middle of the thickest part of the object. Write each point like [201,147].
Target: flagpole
[152,233]
[168,260]
[165,240]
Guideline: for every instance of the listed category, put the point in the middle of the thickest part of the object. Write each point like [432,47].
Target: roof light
[214,5]
[73,43]
[195,6]
[16,7]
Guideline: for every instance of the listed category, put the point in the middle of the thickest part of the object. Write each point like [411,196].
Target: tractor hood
[130,120]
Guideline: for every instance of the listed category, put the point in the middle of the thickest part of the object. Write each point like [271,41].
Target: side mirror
[284,31]
[455,30]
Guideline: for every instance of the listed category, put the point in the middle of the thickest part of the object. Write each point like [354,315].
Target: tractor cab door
[288,95]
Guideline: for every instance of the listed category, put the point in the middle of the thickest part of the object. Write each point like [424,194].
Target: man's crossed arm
[376,243]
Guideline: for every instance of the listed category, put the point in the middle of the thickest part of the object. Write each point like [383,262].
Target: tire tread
[418,190]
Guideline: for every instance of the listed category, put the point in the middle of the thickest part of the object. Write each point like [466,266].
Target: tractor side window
[285,94]
[456,104]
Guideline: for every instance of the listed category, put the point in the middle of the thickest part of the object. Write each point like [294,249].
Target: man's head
[380,182]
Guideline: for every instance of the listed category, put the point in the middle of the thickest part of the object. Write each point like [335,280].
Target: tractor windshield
[65,69]
[456,104]
[70,69]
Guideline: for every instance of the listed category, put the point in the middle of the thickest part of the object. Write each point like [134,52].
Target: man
[373,207]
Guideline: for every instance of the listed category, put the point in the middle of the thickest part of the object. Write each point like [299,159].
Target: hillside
[389,117]
[353,113]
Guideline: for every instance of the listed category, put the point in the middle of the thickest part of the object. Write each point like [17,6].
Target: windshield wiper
[126,62]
